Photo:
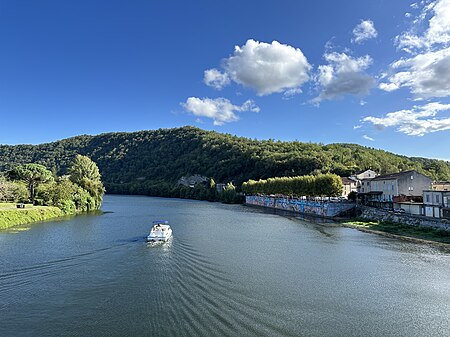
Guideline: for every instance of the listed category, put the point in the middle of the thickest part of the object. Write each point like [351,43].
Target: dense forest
[151,162]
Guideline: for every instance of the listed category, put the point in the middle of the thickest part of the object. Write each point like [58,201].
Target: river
[229,270]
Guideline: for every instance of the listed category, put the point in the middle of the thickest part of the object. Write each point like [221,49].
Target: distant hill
[151,162]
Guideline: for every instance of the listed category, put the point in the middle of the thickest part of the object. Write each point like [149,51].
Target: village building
[191,181]
[383,190]
[407,183]
[350,185]
[363,178]
[437,203]
[440,185]
[367,174]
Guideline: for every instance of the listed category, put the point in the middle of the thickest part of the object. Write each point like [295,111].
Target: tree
[84,172]
[32,175]
[12,191]
[229,193]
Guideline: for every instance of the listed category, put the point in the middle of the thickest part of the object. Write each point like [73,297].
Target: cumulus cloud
[437,32]
[216,79]
[266,68]
[220,110]
[365,30]
[426,70]
[426,75]
[417,121]
[343,75]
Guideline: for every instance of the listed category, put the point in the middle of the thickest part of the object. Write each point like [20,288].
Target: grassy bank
[11,216]
[401,230]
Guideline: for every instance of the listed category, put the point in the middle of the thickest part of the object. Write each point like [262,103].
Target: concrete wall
[421,221]
[317,208]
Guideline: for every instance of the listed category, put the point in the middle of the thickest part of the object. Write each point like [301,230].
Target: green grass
[11,216]
[423,233]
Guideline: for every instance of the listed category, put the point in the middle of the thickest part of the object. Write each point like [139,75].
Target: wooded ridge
[151,162]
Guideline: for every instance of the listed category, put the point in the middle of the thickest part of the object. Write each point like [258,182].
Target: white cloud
[437,32]
[267,68]
[214,78]
[365,30]
[426,71]
[343,75]
[417,121]
[288,94]
[220,110]
[426,75]
[368,138]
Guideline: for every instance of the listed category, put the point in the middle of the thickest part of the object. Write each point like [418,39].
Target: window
[412,177]
[437,198]
[428,197]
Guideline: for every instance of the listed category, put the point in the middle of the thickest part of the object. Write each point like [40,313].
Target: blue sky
[376,73]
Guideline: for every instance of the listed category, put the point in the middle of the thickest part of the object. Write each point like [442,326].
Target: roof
[436,191]
[394,175]
[346,180]
[359,172]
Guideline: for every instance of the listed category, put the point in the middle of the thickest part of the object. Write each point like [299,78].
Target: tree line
[329,185]
[151,162]
[81,190]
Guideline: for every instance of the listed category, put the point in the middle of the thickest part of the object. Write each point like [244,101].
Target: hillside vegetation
[151,162]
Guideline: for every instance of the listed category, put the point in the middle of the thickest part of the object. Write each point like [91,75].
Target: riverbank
[401,231]
[11,216]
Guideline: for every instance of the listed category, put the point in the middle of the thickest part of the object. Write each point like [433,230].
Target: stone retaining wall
[412,220]
[318,208]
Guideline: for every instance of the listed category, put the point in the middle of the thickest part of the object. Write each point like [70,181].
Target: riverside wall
[317,208]
[377,214]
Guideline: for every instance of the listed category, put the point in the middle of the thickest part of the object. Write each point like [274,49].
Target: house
[191,181]
[367,174]
[440,185]
[364,185]
[437,203]
[364,179]
[350,185]
[407,183]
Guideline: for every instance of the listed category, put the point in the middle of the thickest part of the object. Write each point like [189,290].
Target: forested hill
[151,162]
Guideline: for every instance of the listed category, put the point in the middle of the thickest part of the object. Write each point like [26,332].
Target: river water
[229,270]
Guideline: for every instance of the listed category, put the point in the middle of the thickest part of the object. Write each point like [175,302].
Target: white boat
[160,231]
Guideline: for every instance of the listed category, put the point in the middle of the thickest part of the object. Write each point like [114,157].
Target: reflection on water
[227,271]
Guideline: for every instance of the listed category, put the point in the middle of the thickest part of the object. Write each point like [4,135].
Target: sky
[375,73]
